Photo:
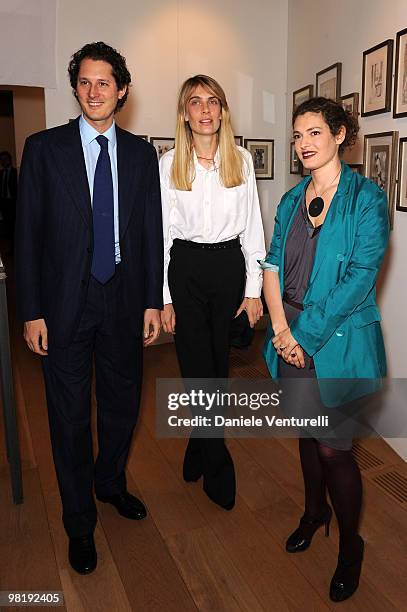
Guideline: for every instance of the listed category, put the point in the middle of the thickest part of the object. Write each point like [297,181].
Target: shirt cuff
[265,265]
[253,287]
[167,295]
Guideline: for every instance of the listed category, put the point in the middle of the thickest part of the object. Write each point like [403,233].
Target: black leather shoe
[192,468]
[301,538]
[126,504]
[345,580]
[82,554]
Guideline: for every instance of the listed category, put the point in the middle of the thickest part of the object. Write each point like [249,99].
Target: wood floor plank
[279,463]
[209,573]
[27,557]
[166,497]
[147,570]
[259,557]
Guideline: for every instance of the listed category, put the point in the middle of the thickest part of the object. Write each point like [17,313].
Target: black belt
[291,302]
[216,246]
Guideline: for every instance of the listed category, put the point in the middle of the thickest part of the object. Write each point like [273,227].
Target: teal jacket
[340,324]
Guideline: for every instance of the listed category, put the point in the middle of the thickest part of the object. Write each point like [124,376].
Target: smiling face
[97,93]
[203,112]
[315,145]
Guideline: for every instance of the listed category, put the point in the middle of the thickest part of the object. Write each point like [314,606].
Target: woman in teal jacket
[331,232]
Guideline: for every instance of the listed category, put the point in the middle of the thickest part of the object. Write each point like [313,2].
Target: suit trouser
[206,288]
[103,336]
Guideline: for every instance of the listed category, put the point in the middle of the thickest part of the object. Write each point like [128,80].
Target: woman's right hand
[168,319]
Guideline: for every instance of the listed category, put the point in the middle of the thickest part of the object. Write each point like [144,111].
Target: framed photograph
[350,103]
[299,96]
[295,164]
[376,79]
[328,82]
[162,145]
[239,140]
[262,152]
[379,163]
[400,79]
[401,203]
[356,168]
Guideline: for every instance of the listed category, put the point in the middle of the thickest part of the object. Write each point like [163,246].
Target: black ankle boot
[345,580]
[301,538]
[192,468]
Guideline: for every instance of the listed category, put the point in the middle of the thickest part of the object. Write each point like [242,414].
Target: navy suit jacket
[54,237]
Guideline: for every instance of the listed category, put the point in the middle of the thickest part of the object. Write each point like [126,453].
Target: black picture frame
[401,202]
[330,90]
[262,152]
[400,76]
[374,100]
[350,103]
[302,94]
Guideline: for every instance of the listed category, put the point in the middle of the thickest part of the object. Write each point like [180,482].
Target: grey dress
[299,256]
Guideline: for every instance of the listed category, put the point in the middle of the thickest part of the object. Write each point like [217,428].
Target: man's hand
[36,336]
[253,308]
[152,325]
[168,319]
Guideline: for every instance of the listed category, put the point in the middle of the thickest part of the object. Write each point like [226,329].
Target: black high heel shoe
[345,580]
[301,538]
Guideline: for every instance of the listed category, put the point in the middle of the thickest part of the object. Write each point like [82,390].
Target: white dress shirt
[91,150]
[212,213]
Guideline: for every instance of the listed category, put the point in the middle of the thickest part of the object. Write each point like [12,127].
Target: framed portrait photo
[401,203]
[400,78]
[376,79]
[262,152]
[162,145]
[295,164]
[350,103]
[239,140]
[328,82]
[379,163]
[301,95]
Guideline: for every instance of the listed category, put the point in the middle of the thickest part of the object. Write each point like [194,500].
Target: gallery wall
[321,33]
[165,41]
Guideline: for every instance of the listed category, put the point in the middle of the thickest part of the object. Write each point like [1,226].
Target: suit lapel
[127,171]
[71,163]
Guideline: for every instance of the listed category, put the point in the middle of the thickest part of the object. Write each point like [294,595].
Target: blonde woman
[213,237]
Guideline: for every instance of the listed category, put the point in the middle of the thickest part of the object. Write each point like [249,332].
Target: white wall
[321,33]
[166,41]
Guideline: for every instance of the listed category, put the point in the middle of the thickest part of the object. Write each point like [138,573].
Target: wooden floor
[189,554]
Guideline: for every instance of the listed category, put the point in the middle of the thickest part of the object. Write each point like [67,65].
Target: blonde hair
[231,160]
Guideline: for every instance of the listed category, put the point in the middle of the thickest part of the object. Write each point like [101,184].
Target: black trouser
[206,288]
[103,335]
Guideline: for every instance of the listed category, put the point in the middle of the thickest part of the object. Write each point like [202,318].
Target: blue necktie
[103,263]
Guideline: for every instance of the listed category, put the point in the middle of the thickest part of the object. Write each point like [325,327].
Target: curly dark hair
[101,51]
[335,116]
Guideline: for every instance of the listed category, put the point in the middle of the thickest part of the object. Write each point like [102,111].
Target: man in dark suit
[89,281]
[8,194]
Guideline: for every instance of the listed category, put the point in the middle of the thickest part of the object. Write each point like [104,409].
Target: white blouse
[212,213]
